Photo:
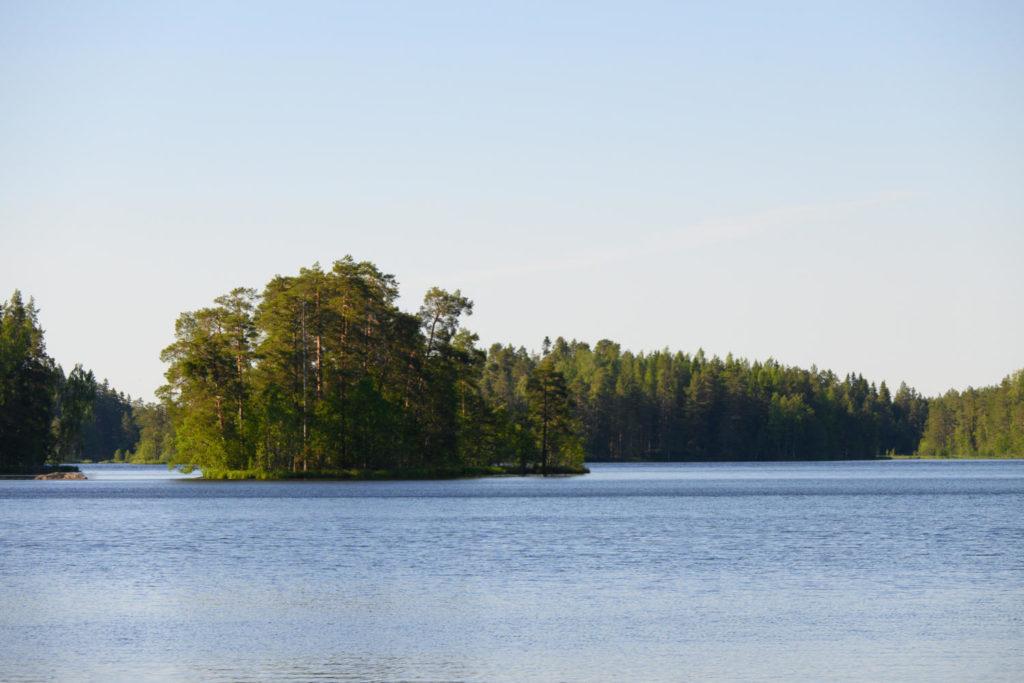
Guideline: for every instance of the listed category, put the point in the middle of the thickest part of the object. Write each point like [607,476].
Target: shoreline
[412,474]
[56,473]
[879,458]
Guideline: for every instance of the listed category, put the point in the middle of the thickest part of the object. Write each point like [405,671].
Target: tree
[323,371]
[75,407]
[111,425]
[448,370]
[440,315]
[551,416]
[155,443]
[42,412]
[28,384]
[209,362]
[987,421]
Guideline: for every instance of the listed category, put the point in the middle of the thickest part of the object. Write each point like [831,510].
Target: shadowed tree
[551,414]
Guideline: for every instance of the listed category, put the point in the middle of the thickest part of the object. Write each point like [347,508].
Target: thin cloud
[704,233]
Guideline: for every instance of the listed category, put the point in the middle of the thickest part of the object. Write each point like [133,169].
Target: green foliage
[28,384]
[42,412]
[322,373]
[156,440]
[76,394]
[987,422]
[551,417]
[47,416]
[675,406]
[111,426]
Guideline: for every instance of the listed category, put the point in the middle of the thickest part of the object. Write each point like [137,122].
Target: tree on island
[552,416]
[323,372]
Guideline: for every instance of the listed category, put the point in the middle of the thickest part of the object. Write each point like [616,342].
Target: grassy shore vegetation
[918,456]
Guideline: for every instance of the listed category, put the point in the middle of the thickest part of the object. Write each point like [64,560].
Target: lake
[905,570]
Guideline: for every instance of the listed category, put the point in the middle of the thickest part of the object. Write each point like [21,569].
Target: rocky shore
[59,475]
[64,472]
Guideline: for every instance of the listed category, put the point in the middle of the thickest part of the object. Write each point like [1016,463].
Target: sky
[839,184]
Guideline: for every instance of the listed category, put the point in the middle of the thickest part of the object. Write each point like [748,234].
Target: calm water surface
[866,570]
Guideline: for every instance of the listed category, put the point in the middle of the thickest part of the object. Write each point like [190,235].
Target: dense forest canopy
[47,417]
[42,410]
[982,422]
[676,406]
[321,371]
[112,432]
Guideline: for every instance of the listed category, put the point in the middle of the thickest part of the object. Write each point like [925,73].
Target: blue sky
[828,183]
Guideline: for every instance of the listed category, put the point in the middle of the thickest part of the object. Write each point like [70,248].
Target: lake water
[897,570]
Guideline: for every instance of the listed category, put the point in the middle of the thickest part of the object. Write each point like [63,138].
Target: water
[861,571]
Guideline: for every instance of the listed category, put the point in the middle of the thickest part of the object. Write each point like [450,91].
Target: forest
[49,417]
[321,374]
[42,410]
[982,422]
[676,406]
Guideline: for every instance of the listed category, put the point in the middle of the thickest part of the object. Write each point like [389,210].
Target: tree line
[42,409]
[676,406]
[49,417]
[322,372]
[977,422]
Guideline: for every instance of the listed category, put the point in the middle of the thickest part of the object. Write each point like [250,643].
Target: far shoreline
[775,460]
[71,471]
[411,474]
